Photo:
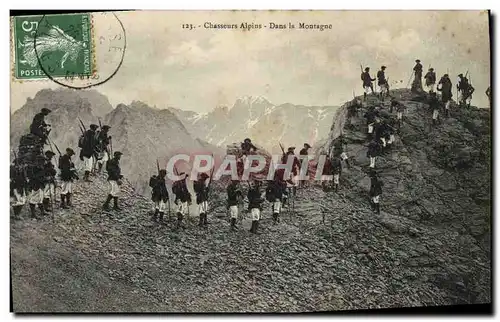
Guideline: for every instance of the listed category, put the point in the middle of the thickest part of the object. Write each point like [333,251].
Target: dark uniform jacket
[37,178]
[254,198]
[434,103]
[274,190]
[367,80]
[381,77]
[430,78]
[376,187]
[50,172]
[233,194]
[336,165]
[38,125]
[67,169]
[201,191]
[89,144]
[113,169]
[418,70]
[103,140]
[181,191]
[370,116]
[373,149]
[295,164]
[327,168]
[446,88]
[160,192]
[17,179]
[247,146]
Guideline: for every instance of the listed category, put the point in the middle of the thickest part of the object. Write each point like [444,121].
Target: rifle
[211,175]
[100,124]
[411,76]
[55,145]
[83,125]
[158,166]
[111,147]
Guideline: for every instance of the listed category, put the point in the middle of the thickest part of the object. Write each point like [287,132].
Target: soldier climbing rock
[88,150]
[103,141]
[367,82]
[159,195]
[430,80]
[445,87]
[38,127]
[182,198]
[68,173]
[247,146]
[292,183]
[304,152]
[255,204]
[115,180]
[416,86]
[375,191]
[434,105]
[338,149]
[465,90]
[18,185]
[370,116]
[201,189]
[49,181]
[327,171]
[336,170]
[382,83]
[373,152]
[234,197]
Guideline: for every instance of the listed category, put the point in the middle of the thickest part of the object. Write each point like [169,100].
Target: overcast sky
[166,65]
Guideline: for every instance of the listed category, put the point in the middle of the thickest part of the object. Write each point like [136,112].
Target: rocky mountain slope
[263,122]
[430,245]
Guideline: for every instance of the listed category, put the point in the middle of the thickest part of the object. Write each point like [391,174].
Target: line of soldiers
[383,83]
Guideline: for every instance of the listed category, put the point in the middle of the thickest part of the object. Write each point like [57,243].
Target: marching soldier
[38,127]
[36,184]
[49,180]
[465,89]
[430,80]
[445,87]
[274,194]
[103,146]
[336,170]
[234,197]
[417,82]
[327,171]
[159,195]
[255,204]
[375,192]
[182,198]
[370,116]
[292,183]
[88,150]
[303,154]
[201,189]
[367,82]
[373,152]
[382,83]
[114,179]
[68,173]
[18,188]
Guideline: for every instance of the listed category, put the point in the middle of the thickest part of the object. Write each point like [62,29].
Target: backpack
[81,141]
[270,194]
[362,78]
[59,162]
[152,181]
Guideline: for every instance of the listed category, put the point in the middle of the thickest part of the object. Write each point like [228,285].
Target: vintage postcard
[250,161]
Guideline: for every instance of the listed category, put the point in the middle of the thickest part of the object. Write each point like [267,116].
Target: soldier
[445,87]
[234,197]
[303,154]
[247,146]
[114,179]
[68,173]
[201,189]
[327,171]
[430,80]
[49,180]
[292,183]
[103,146]
[338,149]
[336,170]
[88,150]
[417,82]
[38,127]
[18,188]
[255,204]
[465,89]
[367,82]
[391,130]
[373,152]
[370,116]
[274,194]
[379,129]
[182,198]
[36,185]
[434,106]
[400,108]
[382,83]
[375,192]
[159,195]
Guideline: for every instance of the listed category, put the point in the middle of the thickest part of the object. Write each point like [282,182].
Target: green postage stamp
[52,46]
